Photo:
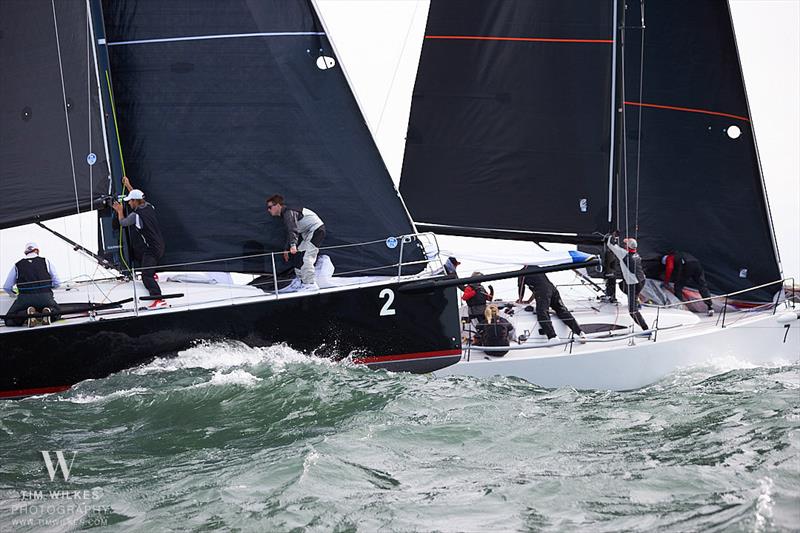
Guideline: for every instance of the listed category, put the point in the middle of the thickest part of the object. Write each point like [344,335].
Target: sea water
[226,437]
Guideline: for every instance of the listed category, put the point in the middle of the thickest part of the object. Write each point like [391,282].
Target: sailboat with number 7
[573,122]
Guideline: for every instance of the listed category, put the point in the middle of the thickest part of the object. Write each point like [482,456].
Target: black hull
[421,335]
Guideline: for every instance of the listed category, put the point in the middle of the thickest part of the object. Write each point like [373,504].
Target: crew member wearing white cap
[147,243]
[35,279]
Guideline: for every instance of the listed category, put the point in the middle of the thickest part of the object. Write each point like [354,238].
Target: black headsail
[223,103]
[52,147]
[511,120]
[692,166]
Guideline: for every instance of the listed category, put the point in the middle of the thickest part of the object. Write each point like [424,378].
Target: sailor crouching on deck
[147,243]
[305,232]
[35,279]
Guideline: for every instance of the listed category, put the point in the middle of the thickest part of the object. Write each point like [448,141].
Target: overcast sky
[378,41]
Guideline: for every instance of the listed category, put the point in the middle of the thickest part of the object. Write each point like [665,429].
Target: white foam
[229,355]
[93,398]
[764,504]
[236,377]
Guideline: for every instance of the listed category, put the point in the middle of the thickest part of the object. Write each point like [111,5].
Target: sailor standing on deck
[633,278]
[305,232]
[35,279]
[147,243]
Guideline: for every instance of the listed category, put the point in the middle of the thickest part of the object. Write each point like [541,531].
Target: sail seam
[522,39]
[688,110]
[223,36]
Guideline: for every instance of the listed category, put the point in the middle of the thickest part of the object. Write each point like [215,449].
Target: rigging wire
[66,115]
[624,128]
[122,163]
[639,131]
[88,111]
[396,69]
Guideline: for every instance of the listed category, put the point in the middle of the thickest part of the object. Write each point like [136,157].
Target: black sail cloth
[223,103]
[511,123]
[510,120]
[699,180]
[50,119]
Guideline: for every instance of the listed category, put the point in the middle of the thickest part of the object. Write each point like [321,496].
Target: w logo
[62,463]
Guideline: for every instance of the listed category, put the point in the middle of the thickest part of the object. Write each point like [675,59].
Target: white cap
[31,246]
[135,194]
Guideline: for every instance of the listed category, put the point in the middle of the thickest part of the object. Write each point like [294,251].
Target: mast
[615,105]
[110,245]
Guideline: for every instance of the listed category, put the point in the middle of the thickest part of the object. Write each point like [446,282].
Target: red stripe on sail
[688,110]
[523,39]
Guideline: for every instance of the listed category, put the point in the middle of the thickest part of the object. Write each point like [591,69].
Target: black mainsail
[223,103]
[537,120]
[52,146]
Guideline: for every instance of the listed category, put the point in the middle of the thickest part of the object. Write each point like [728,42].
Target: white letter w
[51,469]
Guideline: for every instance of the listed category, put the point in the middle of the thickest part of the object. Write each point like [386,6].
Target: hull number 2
[387,310]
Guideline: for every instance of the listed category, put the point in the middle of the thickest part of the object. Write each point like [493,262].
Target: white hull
[757,338]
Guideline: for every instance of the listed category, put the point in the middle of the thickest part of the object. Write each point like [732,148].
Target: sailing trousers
[147,261]
[18,313]
[548,300]
[310,249]
[692,274]
[632,291]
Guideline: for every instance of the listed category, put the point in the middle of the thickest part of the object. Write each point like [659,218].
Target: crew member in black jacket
[547,296]
[147,243]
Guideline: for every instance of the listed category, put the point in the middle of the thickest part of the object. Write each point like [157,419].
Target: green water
[229,438]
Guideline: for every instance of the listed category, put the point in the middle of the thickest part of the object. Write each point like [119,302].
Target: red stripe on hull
[405,356]
[33,392]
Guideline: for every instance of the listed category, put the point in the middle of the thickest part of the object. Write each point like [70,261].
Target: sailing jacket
[630,263]
[145,232]
[300,222]
[32,275]
[497,333]
[541,286]
[676,262]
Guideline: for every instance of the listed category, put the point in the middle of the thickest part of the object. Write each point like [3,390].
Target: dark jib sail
[221,104]
[511,120]
[694,158]
[52,149]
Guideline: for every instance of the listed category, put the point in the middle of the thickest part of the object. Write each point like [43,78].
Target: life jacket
[475,295]
[496,333]
[33,276]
